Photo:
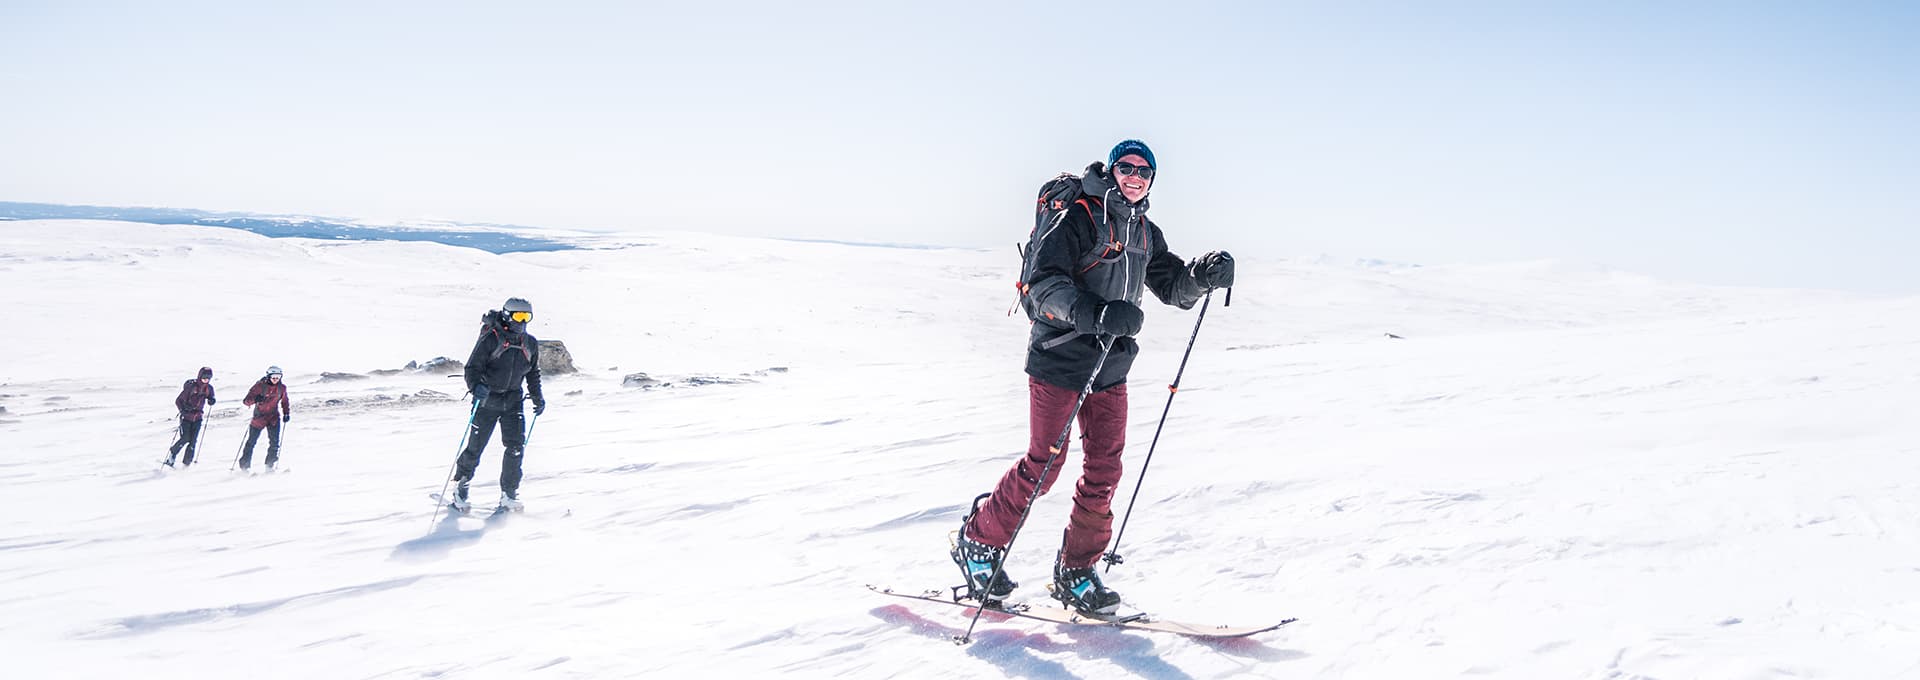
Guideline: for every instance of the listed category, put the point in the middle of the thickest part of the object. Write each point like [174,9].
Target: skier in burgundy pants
[1086,274]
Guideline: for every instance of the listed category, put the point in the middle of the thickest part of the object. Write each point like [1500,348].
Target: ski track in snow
[1556,473]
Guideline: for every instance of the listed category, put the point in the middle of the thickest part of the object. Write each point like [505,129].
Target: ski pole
[201,434]
[464,434]
[244,432]
[1059,445]
[528,439]
[206,414]
[179,423]
[1113,554]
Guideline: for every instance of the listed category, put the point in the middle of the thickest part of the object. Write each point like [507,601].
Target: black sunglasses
[1128,170]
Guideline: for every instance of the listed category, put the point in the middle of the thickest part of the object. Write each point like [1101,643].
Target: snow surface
[1559,472]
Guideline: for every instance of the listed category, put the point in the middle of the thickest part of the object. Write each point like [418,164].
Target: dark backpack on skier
[1055,197]
[492,322]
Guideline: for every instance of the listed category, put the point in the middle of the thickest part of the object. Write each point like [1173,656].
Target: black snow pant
[189,438]
[513,434]
[273,445]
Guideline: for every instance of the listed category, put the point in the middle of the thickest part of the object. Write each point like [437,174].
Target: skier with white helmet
[268,397]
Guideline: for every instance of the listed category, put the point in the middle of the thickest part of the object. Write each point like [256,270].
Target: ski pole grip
[1229,302]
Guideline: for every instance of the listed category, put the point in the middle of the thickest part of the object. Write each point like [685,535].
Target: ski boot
[508,503]
[980,562]
[1081,590]
[459,500]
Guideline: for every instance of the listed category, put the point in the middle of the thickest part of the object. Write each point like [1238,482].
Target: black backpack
[1056,196]
[491,322]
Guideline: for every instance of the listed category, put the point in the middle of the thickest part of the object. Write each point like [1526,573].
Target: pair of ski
[472,511]
[182,467]
[1137,621]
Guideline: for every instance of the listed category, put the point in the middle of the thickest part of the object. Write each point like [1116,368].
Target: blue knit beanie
[1131,146]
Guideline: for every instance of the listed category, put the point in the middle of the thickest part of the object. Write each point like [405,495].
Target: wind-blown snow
[1557,473]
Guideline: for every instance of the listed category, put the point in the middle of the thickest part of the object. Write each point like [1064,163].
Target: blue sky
[1750,143]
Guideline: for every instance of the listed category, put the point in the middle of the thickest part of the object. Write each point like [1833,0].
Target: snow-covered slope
[1557,473]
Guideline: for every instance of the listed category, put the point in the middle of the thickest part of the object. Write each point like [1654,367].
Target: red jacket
[194,396]
[264,396]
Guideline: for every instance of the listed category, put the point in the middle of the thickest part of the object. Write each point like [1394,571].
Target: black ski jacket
[501,359]
[1104,247]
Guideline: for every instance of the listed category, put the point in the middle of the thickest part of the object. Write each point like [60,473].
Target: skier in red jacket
[270,408]
[195,396]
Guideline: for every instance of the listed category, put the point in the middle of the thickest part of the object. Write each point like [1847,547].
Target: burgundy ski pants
[1103,433]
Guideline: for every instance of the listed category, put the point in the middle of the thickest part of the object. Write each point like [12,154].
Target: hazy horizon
[1725,143]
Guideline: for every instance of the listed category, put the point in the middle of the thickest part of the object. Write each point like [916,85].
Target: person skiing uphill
[1087,271]
[504,356]
[268,397]
[195,396]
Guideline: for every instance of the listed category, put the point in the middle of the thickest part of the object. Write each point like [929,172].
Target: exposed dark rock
[699,380]
[330,376]
[647,382]
[437,366]
[555,359]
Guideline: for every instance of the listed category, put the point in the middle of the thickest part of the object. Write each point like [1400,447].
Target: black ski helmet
[512,314]
[206,372]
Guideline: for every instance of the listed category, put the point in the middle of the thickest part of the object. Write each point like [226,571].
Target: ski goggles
[1129,170]
[520,317]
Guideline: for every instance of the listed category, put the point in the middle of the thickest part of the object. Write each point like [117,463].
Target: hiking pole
[1113,554]
[1059,445]
[464,434]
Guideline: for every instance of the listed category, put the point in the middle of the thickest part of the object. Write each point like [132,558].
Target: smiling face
[1134,177]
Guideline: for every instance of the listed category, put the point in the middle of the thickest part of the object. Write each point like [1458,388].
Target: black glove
[209,401]
[288,418]
[539,406]
[480,392]
[1214,270]
[1096,317]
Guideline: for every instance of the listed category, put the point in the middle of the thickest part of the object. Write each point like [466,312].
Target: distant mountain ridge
[488,237]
